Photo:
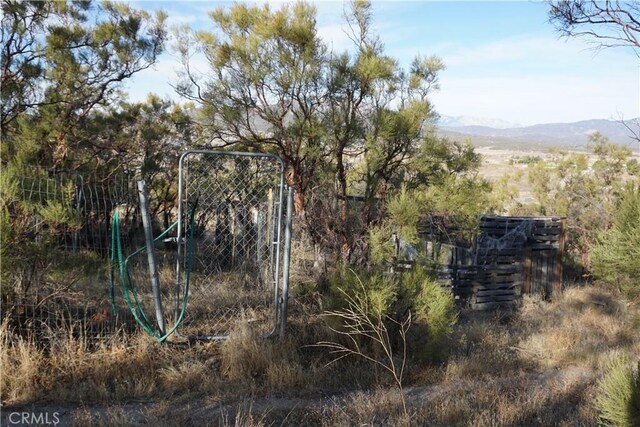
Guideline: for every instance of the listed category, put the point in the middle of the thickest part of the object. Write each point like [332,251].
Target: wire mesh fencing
[55,249]
[58,240]
[236,261]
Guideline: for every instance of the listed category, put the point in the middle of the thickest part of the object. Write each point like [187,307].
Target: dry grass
[537,366]
[582,328]
[527,400]
[22,369]
[484,346]
[134,367]
[508,402]
[247,356]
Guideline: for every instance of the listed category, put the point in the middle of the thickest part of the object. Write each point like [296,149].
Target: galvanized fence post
[151,255]
[286,262]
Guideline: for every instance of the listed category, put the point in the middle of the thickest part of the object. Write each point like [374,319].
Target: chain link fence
[237,260]
[57,241]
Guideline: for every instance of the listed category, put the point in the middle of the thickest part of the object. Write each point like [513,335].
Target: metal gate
[236,264]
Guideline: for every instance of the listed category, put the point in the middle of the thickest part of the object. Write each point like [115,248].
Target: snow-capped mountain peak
[460,121]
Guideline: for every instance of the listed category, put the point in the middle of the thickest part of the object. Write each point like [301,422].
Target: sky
[503,60]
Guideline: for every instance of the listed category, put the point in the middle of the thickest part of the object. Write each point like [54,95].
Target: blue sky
[504,60]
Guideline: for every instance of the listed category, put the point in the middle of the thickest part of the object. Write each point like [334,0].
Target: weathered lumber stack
[543,258]
[512,256]
[487,286]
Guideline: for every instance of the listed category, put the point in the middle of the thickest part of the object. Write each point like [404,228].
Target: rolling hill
[560,135]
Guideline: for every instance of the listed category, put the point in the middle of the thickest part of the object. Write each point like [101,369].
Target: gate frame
[280,301]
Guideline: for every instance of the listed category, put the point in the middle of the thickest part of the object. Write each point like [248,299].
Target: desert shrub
[32,226]
[435,306]
[394,298]
[616,256]
[618,399]
[379,292]
[585,192]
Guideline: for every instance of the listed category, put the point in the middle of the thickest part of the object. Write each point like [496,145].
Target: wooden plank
[535,279]
[490,286]
[511,293]
[489,290]
[502,274]
[502,282]
[526,286]
[491,282]
[470,284]
[503,251]
[544,273]
[557,285]
[497,279]
[539,246]
[499,226]
[545,238]
[492,305]
[495,299]
[512,258]
[497,282]
[550,269]
[499,269]
[547,230]
[487,274]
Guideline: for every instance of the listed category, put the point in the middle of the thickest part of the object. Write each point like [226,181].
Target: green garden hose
[128,288]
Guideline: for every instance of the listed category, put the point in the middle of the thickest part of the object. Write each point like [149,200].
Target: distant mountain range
[562,135]
[463,121]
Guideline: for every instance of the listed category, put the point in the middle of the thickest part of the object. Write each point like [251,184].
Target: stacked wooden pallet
[533,244]
[543,231]
[512,256]
[487,286]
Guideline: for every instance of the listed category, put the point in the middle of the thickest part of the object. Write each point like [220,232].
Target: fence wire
[57,247]
[237,262]
[56,242]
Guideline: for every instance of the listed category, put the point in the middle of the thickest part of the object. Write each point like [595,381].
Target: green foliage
[59,215]
[403,214]
[268,63]
[435,307]
[432,307]
[401,222]
[32,227]
[505,194]
[382,248]
[585,192]
[618,399]
[463,199]
[377,292]
[63,61]
[350,123]
[438,159]
[616,255]
[57,211]
[524,160]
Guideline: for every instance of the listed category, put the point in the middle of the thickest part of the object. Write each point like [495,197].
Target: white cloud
[538,79]
[528,48]
[528,78]
[544,99]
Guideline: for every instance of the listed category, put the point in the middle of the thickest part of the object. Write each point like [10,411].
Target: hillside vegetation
[371,338]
